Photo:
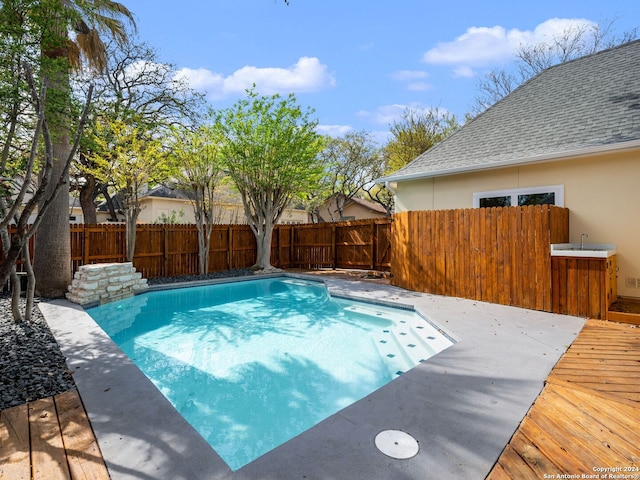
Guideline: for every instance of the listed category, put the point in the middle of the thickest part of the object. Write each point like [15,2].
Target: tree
[415,133]
[51,21]
[21,193]
[195,164]
[575,41]
[129,159]
[351,162]
[134,83]
[270,151]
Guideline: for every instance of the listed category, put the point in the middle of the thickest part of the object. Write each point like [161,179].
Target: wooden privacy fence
[362,244]
[172,250]
[498,255]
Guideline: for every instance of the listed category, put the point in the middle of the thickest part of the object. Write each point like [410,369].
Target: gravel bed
[31,364]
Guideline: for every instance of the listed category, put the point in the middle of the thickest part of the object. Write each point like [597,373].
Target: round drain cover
[397,444]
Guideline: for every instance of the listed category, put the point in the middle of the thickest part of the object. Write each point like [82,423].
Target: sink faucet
[582,237]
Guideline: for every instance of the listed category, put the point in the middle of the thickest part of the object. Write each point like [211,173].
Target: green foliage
[352,162]
[173,218]
[416,133]
[194,158]
[270,151]
[127,157]
[130,159]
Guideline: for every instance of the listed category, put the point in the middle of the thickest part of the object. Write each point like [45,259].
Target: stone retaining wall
[105,282]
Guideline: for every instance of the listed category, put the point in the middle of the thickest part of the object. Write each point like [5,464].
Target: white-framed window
[549,195]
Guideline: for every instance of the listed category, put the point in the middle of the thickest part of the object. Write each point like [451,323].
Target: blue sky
[358,63]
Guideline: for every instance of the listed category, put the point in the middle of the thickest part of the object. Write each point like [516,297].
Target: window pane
[504,201]
[548,198]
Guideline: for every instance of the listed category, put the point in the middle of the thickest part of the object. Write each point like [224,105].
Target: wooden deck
[588,414]
[49,439]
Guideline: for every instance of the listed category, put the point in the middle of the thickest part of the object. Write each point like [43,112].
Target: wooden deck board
[48,458]
[83,454]
[588,413]
[50,439]
[14,443]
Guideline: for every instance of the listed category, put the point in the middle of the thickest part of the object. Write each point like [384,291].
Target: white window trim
[558,190]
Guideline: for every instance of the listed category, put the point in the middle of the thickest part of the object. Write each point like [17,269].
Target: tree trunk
[13,277]
[31,282]
[131,215]
[203,248]
[110,206]
[15,296]
[52,255]
[52,258]
[204,242]
[87,196]
[263,234]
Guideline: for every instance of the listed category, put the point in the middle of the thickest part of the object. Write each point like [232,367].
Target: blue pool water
[252,364]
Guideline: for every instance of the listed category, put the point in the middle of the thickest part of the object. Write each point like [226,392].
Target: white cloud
[381,137]
[463,72]
[202,79]
[419,86]
[409,75]
[306,75]
[481,46]
[387,114]
[384,115]
[334,130]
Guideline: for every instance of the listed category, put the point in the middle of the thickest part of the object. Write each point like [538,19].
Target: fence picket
[498,255]
[172,250]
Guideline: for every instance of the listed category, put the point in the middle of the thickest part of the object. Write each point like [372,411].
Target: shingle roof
[163,191]
[584,105]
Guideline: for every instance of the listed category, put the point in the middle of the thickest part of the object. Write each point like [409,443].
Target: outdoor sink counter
[595,250]
[583,279]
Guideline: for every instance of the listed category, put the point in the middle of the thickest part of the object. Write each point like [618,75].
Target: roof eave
[581,152]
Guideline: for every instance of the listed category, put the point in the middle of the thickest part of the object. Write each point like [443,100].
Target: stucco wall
[154,207]
[602,194]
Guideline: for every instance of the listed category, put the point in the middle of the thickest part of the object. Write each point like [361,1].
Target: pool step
[431,339]
[396,360]
[404,339]
[408,344]
[373,314]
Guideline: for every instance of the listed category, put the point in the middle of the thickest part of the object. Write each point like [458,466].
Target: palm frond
[93,49]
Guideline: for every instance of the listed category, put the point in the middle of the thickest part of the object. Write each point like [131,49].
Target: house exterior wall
[329,211]
[154,207]
[294,215]
[601,192]
[225,213]
[361,212]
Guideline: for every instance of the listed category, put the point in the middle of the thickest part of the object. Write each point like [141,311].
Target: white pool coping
[462,405]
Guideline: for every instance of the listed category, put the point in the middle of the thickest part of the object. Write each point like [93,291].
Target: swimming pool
[252,364]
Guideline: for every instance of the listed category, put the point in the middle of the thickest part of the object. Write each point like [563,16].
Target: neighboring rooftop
[579,107]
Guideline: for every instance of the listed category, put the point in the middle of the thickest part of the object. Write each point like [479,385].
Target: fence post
[334,260]
[230,248]
[279,265]
[292,261]
[373,244]
[85,241]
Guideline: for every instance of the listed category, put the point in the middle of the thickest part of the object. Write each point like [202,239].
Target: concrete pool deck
[462,406]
